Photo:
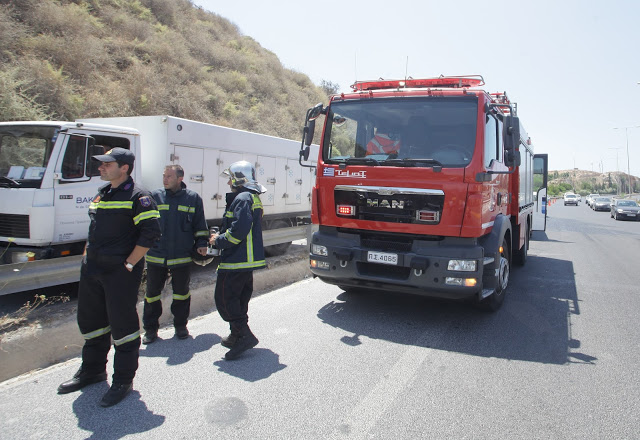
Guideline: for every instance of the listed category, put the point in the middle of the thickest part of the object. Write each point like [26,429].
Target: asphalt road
[559,360]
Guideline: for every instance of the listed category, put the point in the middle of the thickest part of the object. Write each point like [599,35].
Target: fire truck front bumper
[449,267]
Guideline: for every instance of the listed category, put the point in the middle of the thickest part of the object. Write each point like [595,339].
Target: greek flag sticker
[328,172]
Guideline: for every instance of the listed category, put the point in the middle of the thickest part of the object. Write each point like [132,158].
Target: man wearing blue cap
[124,225]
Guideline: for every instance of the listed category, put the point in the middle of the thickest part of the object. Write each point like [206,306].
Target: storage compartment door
[294,183]
[266,175]
[192,160]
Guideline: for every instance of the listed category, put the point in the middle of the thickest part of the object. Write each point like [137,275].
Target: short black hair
[177,168]
[129,171]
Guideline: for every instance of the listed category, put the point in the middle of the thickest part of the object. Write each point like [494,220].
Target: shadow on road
[534,324]
[131,416]
[180,351]
[254,365]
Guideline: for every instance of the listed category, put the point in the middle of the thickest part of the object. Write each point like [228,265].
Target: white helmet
[242,173]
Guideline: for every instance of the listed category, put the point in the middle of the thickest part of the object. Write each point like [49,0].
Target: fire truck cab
[423,186]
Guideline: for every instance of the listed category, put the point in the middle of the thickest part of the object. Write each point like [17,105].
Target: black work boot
[182,332]
[80,380]
[244,343]
[116,393]
[150,336]
[229,341]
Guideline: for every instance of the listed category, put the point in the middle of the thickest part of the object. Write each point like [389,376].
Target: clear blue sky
[572,66]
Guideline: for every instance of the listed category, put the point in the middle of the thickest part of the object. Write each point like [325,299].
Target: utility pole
[617,170]
[626,131]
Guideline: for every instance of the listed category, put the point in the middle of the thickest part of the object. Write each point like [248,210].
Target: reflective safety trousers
[240,237]
[183,225]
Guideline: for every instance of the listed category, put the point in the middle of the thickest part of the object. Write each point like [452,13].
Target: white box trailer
[47,180]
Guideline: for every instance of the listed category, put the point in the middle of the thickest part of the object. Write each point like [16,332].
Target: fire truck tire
[495,300]
[520,256]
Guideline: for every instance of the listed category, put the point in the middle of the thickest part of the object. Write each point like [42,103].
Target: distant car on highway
[601,204]
[621,209]
[590,198]
[570,199]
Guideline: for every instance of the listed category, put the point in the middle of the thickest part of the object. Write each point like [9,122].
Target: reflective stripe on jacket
[183,224]
[241,233]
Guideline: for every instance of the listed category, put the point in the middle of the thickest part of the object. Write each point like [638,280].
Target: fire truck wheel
[495,300]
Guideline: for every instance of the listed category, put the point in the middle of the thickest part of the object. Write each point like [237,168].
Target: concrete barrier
[54,337]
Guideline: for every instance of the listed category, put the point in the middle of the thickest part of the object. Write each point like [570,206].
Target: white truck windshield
[24,153]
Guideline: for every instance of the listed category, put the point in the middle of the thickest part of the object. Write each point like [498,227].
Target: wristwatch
[128,265]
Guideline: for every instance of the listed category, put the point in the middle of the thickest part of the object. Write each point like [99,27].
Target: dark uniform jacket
[241,233]
[183,224]
[121,218]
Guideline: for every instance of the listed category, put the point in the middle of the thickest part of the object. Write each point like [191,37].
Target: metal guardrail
[31,275]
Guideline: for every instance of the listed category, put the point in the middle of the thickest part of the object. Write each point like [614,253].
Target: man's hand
[212,240]
[202,251]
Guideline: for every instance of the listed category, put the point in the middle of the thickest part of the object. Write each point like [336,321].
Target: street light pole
[626,131]
[617,170]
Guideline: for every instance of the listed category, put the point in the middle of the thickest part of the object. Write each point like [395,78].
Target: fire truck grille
[13,225]
[425,209]
[382,271]
[386,245]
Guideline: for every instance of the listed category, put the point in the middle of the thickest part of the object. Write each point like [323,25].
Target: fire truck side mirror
[304,153]
[309,130]
[511,132]
[314,112]
[511,136]
[512,158]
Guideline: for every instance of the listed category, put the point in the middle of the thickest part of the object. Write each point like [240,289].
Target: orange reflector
[65,253]
[501,249]
[346,210]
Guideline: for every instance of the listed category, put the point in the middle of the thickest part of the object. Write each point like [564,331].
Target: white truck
[47,180]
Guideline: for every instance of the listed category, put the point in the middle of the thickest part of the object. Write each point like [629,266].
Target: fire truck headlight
[467,282]
[316,249]
[463,265]
[320,264]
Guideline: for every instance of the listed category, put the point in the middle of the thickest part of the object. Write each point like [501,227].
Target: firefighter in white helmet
[242,252]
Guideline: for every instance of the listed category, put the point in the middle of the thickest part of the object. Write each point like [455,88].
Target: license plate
[631,215]
[382,257]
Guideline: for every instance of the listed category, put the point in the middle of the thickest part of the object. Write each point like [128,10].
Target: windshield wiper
[6,182]
[411,162]
[362,161]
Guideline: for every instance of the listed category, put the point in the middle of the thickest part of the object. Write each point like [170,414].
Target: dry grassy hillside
[586,182]
[65,59]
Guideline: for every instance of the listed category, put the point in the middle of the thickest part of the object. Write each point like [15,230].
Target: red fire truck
[424,186]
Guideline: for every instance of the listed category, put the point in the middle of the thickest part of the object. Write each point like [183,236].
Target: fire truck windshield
[24,153]
[420,131]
